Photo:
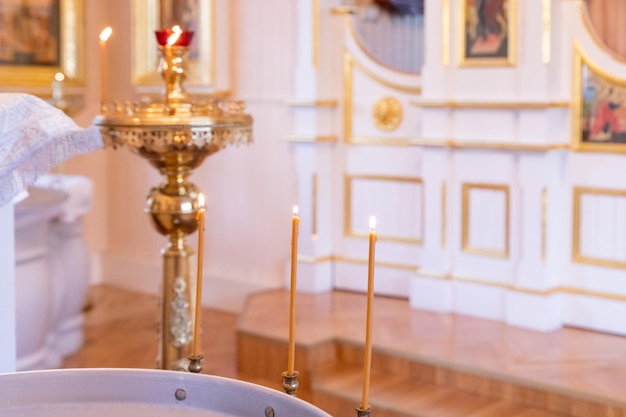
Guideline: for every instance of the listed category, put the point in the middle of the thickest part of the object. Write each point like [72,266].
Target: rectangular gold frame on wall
[585,113]
[577,256]
[349,232]
[71,50]
[465,237]
[488,60]
[146,19]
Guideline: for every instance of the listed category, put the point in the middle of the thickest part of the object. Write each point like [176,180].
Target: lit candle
[196,329]
[57,86]
[104,37]
[368,326]
[173,38]
[295,221]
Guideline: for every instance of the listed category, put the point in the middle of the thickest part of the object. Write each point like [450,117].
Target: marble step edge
[474,376]
[395,405]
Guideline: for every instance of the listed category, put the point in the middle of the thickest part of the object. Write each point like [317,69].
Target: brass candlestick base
[363,413]
[175,136]
[195,364]
[290,382]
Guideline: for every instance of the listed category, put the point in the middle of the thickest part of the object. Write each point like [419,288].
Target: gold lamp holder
[175,136]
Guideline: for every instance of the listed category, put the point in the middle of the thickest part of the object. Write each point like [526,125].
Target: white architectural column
[7,290]
[314,136]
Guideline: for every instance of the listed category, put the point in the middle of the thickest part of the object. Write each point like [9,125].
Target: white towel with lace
[34,138]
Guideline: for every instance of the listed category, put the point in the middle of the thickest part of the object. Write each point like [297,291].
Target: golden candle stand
[175,136]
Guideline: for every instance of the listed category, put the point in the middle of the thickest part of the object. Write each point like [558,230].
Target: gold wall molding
[302,102]
[443,215]
[563,289]
[350,64]
[314,235]
[344,10]
[465,220]
[544,222]
[310,138]
[546,31]
[597,40]
[492,105]
[577,256]
[445,32]
[339,258]
[349,232]
[387,113]
[315,32]
[353,63]
[504,146]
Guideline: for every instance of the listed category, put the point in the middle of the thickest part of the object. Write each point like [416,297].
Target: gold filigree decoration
[387,114]
[180,326]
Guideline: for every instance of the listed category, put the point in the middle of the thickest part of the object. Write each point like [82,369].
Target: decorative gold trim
[505,146]
[445,32]
[310,138]
[71,46]
[577,256]
[387,113]
[510,60]
[349,232]
[544,222]
[361,140]
[465,245]
[580,59]
[546,32]
[398,87]
[344,10]
[591,293]
[347,96]
[586,19]
[480,281]
[513,288]
[443,215]
[299,102]
[493,105]
[315,32]
[338,258]
[314,235]
[381,264]
[348,71]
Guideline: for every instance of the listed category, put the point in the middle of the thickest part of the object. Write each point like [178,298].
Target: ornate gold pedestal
[175,136]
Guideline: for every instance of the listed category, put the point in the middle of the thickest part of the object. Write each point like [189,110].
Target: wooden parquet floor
[424,364]
[120,332]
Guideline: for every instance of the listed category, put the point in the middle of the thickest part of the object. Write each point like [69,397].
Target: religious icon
[488,33]
[30,32]
[600,113]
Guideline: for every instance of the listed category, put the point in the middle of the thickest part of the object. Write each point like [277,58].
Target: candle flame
[201,200]
[105,34]
[295,210]
[59,76]
[372,222]
[174,36]
[176,28]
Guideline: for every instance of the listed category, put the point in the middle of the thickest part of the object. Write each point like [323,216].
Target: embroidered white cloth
[34,138]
